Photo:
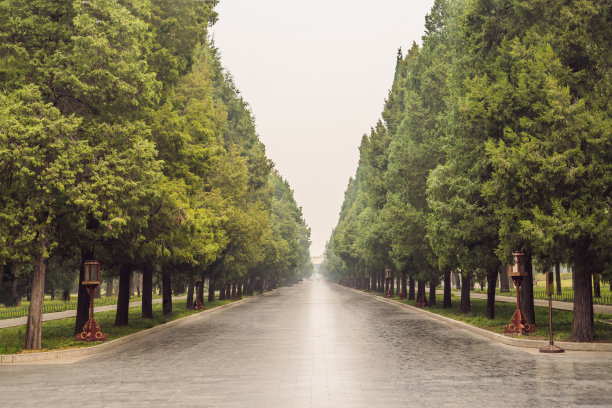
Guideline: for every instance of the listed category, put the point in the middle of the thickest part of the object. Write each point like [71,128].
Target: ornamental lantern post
[91,281]
[517,272]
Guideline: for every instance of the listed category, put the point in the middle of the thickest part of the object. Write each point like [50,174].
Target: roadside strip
[7,359]
[500,338]
[607,309]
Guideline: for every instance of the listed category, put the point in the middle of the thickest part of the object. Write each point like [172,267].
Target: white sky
[316,74]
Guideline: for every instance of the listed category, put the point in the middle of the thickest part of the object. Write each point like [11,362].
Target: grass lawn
[59,334]
[562,319]
[50,306]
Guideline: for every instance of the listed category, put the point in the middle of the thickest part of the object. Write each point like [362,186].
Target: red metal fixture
[197,305]
[518,324]
[388,283]
[91,281]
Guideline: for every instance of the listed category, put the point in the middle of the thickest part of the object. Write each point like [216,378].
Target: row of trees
[123,139]
[496,136]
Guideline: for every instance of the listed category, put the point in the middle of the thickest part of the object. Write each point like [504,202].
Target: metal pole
[550,348]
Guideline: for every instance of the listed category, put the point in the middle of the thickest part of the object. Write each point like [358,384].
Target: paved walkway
[314,345]
[4,323]
[540,302]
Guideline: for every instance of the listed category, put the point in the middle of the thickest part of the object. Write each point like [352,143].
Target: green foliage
[496,138]
[123,137]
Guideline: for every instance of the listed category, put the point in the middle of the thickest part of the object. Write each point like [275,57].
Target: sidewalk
[19,321]
[540,302]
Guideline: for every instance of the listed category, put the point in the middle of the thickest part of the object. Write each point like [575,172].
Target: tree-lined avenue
[314,344]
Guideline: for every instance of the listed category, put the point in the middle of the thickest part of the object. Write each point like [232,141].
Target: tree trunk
[239,291]
[527,308]
[34,324]
[432,292]
[109,287]
[221,292]
[558,279]
[123,297]
[391,282]
[458,279]
[234,290]
[582,323]
[211,290]
[14,299]
[189,303]
[466,304]
[167,291]
[596,285]
[250,287]
[446,303]
[83,297]
[404,283]
[411,288]
[228,291]
[420,291]
[491,284]
[147,291]
[200,290]
[504,284]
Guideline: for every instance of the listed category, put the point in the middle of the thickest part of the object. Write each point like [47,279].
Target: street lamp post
[518,324]
[550,348]
[91,281]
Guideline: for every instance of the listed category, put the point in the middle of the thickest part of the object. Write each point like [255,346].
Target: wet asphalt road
[313,345]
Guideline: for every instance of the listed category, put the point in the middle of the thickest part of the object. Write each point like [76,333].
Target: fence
[569,297]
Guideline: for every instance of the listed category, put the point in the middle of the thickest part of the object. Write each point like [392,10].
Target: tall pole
[550,348]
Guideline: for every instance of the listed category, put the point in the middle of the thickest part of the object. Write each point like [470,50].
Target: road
[313,345]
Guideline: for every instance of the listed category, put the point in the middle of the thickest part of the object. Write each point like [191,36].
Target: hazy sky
[316,74]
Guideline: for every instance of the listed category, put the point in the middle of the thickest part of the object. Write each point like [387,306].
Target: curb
[7,359]
[500,338]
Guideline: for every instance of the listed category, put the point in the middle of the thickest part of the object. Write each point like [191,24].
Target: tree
[40,151]
[553,155]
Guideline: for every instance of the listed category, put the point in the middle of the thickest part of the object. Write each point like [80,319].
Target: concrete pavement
[314,345]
